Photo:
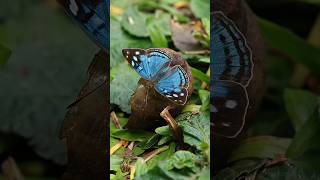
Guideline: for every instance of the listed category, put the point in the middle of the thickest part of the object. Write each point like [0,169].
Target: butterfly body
[93,18]
[232,71]
[158,87]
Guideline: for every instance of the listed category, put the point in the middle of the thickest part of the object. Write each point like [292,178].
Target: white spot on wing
[231,104]
[137,52]
[226,124]
[213,109]
[74,7]
[132,63]
[181,94]
[175,95]
[135,58]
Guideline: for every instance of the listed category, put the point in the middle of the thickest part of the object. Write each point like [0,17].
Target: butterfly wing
[230,103]
[93,17]
[174,84]
[148,63]
[231,69]
[231,53]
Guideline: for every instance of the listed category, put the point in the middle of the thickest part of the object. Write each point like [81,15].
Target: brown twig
[115,120]
[177,135]
[153,153]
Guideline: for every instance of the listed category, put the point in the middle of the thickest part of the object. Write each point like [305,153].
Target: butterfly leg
[176,131]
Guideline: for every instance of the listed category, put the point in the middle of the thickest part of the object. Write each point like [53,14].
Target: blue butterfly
[232,70]
[154,65]
[93,17]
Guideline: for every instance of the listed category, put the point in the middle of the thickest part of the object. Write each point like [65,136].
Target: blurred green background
[47,67]
[283,140]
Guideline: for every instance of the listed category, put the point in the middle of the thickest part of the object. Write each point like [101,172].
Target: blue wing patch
[231,54]
[93,17]
[174,84]
[147,63]
[153,66]
[231,72]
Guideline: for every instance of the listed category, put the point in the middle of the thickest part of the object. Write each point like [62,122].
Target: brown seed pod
[147,104]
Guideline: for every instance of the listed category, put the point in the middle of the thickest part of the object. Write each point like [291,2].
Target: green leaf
[206,24]
[113,141]
[191,108]
[163,21]
[157,37]
[164,140]
[119,175]
[293,46]
[121,40]
[160,172]
[201,8]
[137,151]
[260,147]
[134,22]
[204,174]
[123,86]
[131,135]
[200,75]
[180,17]
[202,38]
[196,129]
[205,60]
[153,5]
[179,165]
[304,149]
[300,105]
[4,55]
[205,99]
[285,172]
[243,167]
[42,76]
[163,130]
[150,142]
[165,155]
[182,159]
[251,169]
[122,121]
[141,167]
[115,162]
